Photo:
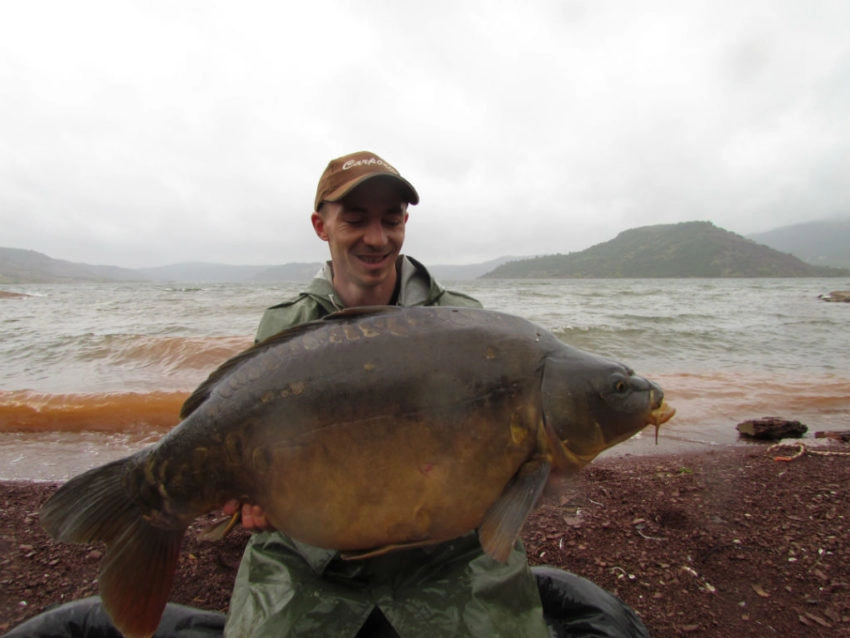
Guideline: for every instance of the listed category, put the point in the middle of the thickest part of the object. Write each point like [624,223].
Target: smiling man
[360,210]
[364,229]
[287,588]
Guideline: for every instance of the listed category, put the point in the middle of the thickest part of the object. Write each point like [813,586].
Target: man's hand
[253,516]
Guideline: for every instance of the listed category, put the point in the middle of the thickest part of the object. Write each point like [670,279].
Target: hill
[202,272]
[822,243]
[220,273]
[28,266]
[465,272]
[19,266]
[689,249]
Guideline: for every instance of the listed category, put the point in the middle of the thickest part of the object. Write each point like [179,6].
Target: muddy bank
[728,542]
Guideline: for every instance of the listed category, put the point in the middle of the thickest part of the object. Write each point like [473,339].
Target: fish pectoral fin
[504,520]
[386,549]
[564,461]
[222,528]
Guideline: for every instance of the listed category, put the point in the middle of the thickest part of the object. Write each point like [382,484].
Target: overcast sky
[140,133]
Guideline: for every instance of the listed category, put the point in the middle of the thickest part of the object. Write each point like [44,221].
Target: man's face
[365,232]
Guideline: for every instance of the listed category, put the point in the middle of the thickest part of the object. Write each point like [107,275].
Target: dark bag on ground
[573,608]
[86,618]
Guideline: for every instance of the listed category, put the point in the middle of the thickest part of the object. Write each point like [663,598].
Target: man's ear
[319,226]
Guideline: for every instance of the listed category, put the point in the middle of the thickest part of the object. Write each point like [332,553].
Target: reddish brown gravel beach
[721,543]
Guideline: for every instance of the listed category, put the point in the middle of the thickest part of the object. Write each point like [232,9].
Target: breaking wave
[28,411]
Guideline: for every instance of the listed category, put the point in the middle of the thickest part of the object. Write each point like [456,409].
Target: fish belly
[392,480]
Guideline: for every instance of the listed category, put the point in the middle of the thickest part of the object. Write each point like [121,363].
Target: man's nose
[375,234]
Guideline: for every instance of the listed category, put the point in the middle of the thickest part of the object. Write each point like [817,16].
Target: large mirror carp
[367,431]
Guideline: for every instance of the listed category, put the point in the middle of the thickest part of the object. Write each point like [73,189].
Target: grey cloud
[147,133]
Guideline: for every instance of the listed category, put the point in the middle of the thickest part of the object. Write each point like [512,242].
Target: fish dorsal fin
[204,390]
[504,520]
[360,311]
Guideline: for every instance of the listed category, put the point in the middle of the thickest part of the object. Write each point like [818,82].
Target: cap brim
[410,195]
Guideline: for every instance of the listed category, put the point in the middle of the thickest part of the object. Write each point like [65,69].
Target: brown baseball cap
[344,173]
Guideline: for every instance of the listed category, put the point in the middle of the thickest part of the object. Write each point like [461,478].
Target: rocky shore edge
[718,543]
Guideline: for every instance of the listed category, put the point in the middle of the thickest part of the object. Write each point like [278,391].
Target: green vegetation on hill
[689,249]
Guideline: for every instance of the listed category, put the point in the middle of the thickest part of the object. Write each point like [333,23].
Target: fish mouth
[661,414]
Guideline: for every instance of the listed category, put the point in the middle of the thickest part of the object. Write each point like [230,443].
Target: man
[286,588]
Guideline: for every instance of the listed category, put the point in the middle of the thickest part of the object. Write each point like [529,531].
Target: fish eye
[620,385]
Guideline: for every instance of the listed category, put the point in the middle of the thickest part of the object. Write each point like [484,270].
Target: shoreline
[52,457]
[715,542]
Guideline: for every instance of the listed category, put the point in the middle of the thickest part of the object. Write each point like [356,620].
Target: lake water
[91,372]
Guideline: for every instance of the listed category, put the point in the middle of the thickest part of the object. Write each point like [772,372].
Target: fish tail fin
[140,559]
[137,575]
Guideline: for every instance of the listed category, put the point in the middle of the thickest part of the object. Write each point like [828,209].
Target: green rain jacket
[287,588]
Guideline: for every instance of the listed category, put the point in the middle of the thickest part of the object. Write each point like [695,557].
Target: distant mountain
[28,266]
[289,272]
[822,243]
[689,249]
[470,271]
[202,272]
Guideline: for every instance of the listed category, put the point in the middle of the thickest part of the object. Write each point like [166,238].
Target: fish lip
[661,414]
